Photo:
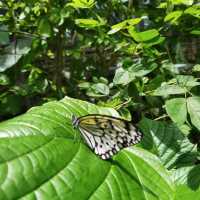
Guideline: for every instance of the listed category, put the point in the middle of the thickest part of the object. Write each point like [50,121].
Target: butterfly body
[106,135]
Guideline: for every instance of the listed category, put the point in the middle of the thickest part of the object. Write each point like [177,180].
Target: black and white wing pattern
[106,135]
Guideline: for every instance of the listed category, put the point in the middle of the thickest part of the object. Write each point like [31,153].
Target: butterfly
[106,135]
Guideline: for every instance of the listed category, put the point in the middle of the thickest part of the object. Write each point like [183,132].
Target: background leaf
[143,36]
[168,143]
[193,105]
[14,52]
[177,110]
[165,90]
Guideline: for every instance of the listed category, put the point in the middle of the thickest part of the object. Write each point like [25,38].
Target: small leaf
[193,105]
[81,4]
[143,36]
[165,90]
[117,27]
[154,41]
[186,2]
[123,77]
[195,32]
[101,88]
[169,66]
[126,75]
[185,129]
[4,79]
[103,80]
[89,23]
[194,11]
[140,71]
[176,109]
[55,15]
[187,81]
[84,85]
[124,24]
[173,16]
[196,68]
[44,28]
[125,114]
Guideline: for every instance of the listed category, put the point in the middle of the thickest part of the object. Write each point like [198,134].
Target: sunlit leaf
[195,32]
[89,23]
[143,36]
[186,2]
[124,25]
[196,68]
[173,16]
[82,3]
[194,11]
[4,79]
[84,85]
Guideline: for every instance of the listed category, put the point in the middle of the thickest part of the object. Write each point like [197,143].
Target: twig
[161,117]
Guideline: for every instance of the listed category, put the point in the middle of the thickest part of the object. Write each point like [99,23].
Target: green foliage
[48,158]
[193,104]
[139,57]
[174,106]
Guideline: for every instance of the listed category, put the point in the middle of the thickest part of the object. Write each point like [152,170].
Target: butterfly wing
[106,135]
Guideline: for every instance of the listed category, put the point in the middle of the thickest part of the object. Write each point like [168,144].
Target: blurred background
[133,54]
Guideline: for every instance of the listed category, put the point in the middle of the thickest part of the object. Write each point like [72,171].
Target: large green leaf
[40,158]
